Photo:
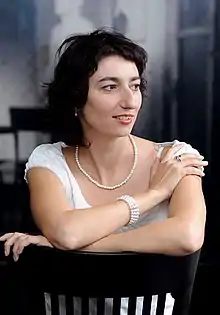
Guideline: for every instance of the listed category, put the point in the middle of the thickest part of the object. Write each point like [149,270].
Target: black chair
[98,275]
[3,131]
[27,119]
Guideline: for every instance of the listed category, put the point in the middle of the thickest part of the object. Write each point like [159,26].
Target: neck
[106,156]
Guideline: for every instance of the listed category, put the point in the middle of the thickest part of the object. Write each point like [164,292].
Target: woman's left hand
[20,240]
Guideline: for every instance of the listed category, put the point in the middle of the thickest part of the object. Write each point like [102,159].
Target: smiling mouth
[124,117]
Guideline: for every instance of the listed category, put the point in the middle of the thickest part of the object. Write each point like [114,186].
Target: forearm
[169,237]
[79,228]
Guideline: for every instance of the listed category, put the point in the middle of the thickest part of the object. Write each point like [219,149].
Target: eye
[109,87]
[135,87]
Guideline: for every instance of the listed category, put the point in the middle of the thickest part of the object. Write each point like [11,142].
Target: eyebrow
[115,79]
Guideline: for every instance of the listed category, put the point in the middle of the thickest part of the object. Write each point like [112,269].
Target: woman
[99,180]
[99,188]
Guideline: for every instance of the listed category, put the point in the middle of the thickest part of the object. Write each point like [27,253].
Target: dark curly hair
[78,58]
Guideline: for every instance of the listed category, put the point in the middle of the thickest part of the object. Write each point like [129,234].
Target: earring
[76,114]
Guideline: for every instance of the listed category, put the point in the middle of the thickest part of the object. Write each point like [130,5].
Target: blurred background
[183,43]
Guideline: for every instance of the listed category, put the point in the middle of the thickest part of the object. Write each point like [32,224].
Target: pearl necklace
[104,186]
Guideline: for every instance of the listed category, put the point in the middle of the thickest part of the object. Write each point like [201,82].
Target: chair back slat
[148,305]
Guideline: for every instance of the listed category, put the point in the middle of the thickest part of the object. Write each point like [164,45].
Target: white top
[50,156]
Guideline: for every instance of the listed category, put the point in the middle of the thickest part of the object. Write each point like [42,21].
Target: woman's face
[114,98]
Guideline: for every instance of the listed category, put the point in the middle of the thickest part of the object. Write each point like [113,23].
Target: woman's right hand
[167,171]
[20,240]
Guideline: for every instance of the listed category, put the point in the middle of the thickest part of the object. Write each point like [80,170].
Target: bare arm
[181,234]
[66,228]
[188,204]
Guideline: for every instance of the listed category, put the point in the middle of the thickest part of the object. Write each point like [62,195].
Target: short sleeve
[187,148]
[45,155]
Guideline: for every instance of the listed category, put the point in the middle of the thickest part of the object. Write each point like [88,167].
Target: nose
[127,99]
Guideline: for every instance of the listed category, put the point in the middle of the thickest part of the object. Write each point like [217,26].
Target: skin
[116,86]
[114,90]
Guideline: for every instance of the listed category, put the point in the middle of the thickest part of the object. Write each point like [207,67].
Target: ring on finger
[178,158]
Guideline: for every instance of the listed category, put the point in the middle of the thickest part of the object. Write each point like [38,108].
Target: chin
[121,133]
[112,131]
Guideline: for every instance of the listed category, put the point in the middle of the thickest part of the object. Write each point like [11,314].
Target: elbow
[192,240]
[63,239]
[67,242]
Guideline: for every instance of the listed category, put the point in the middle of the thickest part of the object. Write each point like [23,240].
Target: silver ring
[178,158]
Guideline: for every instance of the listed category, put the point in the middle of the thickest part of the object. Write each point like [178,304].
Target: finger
[29,239]
[185,156]
[22,243]
[194,162]
[155,166]
[171,152]
[18,243]
[10,241]
[19,246]
[194,171]
[164,152]
[4,237]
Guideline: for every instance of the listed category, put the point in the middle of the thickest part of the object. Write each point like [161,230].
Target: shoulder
[145,146]
[47,155]
[149,147]
[187,147]
[46,149]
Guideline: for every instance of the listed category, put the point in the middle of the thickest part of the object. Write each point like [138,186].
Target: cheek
[101,104]
[97,110]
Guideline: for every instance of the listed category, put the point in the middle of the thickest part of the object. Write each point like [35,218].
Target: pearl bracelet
[135,211]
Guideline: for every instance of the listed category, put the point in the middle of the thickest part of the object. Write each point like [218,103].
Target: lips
[124,117]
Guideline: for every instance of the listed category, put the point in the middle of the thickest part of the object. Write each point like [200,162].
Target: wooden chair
[125,278]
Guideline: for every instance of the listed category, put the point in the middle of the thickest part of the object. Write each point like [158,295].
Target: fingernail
[6,252]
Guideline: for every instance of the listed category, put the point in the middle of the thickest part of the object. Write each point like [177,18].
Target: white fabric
[50,156]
